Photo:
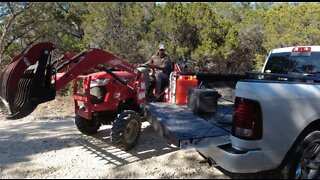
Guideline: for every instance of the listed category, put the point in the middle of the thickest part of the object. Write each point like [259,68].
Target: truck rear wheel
[304,161]
[86,126]
[126,130]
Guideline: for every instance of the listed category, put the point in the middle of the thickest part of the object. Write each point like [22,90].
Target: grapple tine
[22,77]
[21,106]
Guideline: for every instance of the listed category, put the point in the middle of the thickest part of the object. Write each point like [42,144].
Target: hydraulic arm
[33,77]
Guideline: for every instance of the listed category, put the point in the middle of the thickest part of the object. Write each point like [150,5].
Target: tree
[24,24]
[171,27]
[288,25]
[118,27]
[70,17]
[10,12]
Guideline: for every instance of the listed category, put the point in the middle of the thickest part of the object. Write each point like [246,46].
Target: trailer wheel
[304,161]
[126,130]
[86,126]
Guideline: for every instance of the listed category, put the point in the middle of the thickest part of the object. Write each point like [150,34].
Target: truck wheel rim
[309,162]
[131,131]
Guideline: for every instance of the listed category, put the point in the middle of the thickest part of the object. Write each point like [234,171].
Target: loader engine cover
[97,94]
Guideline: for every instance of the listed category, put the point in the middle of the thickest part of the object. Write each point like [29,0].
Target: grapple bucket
[26,81]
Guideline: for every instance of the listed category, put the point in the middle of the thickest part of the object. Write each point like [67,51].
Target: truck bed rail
[309,78]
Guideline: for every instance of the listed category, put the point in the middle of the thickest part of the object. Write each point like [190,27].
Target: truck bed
[180,127]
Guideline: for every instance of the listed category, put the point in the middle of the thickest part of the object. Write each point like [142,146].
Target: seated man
[161,63]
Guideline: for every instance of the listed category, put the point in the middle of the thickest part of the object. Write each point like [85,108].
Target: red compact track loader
[33,77]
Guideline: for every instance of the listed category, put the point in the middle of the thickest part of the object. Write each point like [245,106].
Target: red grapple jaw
[22,77]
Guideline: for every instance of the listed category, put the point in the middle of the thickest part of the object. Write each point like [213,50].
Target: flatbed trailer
[181,127]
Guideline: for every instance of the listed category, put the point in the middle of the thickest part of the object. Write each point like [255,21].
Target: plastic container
[184,82]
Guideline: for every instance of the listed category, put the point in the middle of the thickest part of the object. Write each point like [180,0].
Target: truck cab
[293,60]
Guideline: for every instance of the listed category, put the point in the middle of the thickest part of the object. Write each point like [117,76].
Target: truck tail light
[247,119]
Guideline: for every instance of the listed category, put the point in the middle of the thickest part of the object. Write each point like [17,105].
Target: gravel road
[47,144]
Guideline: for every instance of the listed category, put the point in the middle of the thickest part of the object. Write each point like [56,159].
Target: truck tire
[301,163]
[126,130]
[86,126]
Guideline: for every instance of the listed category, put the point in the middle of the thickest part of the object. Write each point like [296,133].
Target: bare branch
[10,8]
[9,23]
[61,7]
[4,49]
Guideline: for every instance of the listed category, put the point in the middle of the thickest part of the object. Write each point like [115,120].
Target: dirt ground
[47,144]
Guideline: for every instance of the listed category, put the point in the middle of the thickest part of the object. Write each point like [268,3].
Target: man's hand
[152,65]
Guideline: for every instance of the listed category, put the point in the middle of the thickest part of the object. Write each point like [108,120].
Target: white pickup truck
[265,122]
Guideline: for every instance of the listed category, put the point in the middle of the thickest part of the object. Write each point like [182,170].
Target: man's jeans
[160,78]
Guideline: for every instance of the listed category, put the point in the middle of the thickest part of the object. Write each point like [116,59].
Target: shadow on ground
[149,145]
[21,139]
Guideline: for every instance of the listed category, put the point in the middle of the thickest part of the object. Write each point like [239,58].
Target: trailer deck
[180,127]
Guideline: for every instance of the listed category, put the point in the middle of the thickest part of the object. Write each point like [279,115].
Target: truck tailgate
[179,126]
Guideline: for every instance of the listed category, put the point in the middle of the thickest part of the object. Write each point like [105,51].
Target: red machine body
[101,96]
[33,78]
[114,93]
